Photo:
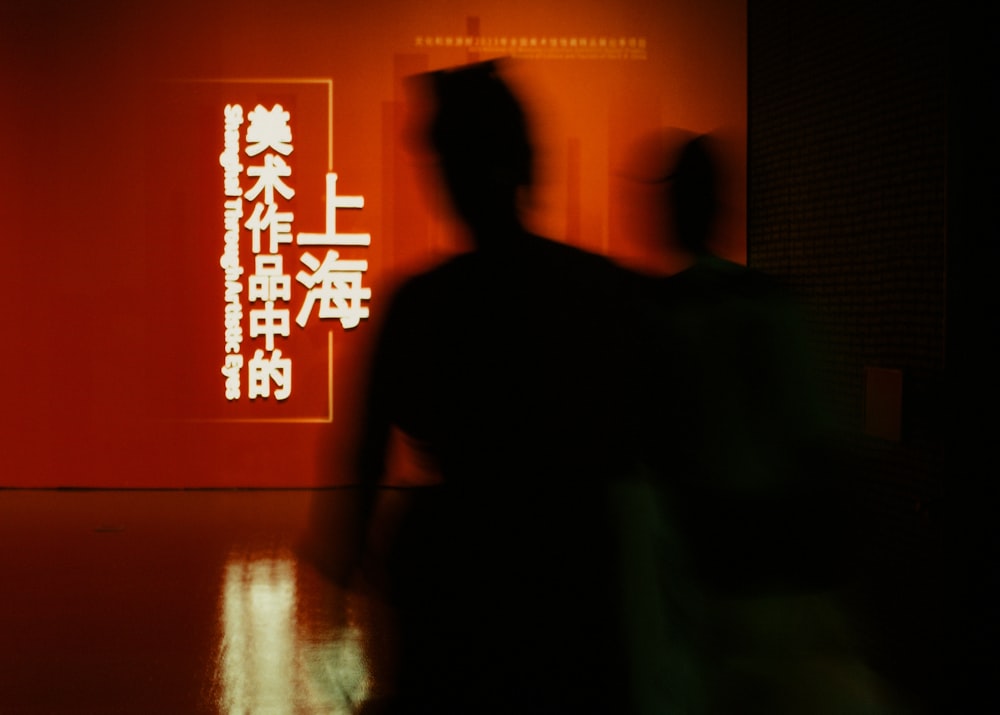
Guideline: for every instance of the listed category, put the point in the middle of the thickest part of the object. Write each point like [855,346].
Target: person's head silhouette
[480,135]
[678,176]
[692,193]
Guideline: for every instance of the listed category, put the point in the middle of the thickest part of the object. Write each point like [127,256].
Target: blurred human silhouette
[494,388]
[747,511]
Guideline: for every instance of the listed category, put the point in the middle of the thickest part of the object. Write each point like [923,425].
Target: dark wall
[869,192]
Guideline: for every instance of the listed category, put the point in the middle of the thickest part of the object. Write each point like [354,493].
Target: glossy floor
[175,603]
[218,603]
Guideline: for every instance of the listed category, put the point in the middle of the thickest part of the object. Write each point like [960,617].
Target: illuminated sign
[602,47]
[333,286]
[223,304]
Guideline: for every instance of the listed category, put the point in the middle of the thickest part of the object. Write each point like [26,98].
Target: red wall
[111,201]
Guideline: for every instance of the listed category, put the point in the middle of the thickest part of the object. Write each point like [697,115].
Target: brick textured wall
[847,201]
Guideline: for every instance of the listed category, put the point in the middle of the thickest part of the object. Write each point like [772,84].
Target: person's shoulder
[573,260]
[436,278]
[714,272]
[567,251]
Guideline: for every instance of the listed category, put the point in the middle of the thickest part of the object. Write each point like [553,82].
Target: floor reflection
[283,648]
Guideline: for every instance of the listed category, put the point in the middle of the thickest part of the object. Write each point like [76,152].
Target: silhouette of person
[751,513]
[497,385]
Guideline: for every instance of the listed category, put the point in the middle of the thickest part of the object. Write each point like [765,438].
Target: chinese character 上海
[264,370]
[336,285]
[330,237]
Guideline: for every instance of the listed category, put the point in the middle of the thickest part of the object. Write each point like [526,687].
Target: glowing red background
[111,202]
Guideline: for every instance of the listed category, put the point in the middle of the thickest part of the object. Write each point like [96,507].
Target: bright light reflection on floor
[273,660]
